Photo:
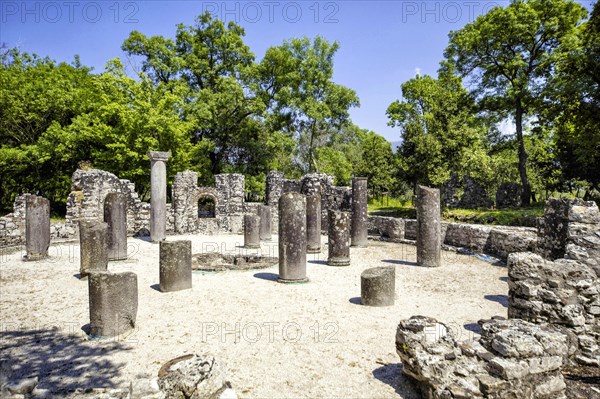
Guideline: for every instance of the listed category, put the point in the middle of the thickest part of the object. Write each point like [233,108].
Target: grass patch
[505,217]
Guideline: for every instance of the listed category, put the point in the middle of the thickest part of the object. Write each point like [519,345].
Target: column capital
[159,155]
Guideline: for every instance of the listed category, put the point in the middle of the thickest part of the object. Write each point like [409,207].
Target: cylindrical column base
[292,238]
[266,222]
[175,265]
[339,238]
[378,286]
[251,231]
[93,252]
[113,303]
[313,224]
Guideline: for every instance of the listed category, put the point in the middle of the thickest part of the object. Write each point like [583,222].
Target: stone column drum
[292,238]
[360,218]
[429,233]
[251,231]
[175,265]
[266,222]
[339,238]
[378,286]
[37,227]
[115,216]
[93,251]
[113,303]
[158,196]
[313,224]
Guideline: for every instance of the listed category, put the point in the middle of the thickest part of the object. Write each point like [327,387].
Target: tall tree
[298,85]
[439,131]
[508,55]
[213,69]
[572,106]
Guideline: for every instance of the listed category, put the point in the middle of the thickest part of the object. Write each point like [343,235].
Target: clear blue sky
[383,43]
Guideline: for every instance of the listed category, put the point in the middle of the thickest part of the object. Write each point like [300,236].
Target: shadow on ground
[267,276]
[392,375]
[62,359]
[501,299]
[400,262]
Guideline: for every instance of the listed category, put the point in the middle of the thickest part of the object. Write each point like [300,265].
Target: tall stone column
[37,227]
[266,222]
[158,196]
[339,238]
[360,218]
[292,238]
[115,216]
[313,224]
[429,234]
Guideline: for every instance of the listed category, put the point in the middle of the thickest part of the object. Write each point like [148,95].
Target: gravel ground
[306,340]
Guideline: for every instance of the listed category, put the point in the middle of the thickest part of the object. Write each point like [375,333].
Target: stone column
[429,233]
[292,238]
[113,303]
[115,216]
[360,219]
[37,227]
[313,224]
[158,196]
[266,222]
[339,238]
[175,265]
[378,286]
[93,251]
[251,231]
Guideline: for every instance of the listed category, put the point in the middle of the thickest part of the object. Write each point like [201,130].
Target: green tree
[572,106]
[377,163]
[508,54]
[440,133]
[212,68]
[298,88]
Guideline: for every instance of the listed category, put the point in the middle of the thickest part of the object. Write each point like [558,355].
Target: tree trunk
[526,195]
[312,165]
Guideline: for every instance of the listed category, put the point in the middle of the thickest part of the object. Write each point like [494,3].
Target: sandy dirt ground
[303,340]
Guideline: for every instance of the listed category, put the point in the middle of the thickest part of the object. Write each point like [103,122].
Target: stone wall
[332,197]
[89,189]
[495,240]
[12,226]
[512,359]
[561,284]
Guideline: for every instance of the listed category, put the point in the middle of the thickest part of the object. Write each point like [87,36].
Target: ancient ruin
[158,198]
[93,247]
[428,227]
[175,265]
[338,238]
[378,286]
[292,238]
[37,230]
[359,212]
[113,303]
[313,224]
[115,216]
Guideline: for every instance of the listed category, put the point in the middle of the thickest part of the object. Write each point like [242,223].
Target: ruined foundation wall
[561,284]
[495,240]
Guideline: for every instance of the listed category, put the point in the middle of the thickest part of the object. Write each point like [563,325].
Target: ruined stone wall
[12,226]
[561,284]
[495,240]
[513,359]
[332,197]
[89,189]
